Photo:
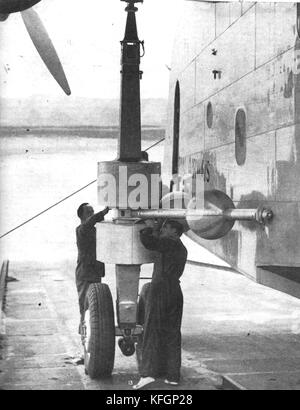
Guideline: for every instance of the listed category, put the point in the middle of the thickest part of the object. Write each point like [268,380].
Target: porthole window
[240,137]
[209,115]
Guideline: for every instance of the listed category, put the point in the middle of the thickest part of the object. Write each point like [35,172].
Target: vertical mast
[129,148]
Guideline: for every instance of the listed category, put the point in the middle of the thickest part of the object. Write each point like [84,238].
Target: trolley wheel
[99,338]
[126,347]
[141,308]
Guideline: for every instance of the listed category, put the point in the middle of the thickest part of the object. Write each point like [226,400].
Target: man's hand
[105,211]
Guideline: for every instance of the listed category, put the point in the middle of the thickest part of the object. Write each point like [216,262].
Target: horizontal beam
[258,215]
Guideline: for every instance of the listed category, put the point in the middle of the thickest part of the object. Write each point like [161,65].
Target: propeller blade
[45,48]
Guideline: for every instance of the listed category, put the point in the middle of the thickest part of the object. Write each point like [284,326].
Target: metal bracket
[133,1]
[142,43]
[137,331]
[264,215]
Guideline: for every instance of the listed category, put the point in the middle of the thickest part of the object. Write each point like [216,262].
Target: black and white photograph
[149,197]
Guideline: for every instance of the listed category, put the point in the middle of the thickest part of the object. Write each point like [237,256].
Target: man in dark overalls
[88,269]
[161,349]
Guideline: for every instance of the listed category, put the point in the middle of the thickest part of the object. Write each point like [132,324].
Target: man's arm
[151,241]
[92,220]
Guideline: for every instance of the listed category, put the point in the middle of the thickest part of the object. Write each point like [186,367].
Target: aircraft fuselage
[234,118]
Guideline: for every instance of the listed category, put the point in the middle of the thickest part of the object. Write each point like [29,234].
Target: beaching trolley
[118,241]
[120,183]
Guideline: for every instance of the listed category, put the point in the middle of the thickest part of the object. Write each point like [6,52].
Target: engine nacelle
[14,6]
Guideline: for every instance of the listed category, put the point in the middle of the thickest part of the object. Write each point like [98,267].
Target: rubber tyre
[141,321]
[142,303]
[99,349]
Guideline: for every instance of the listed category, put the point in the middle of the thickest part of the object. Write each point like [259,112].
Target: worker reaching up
[88,269]
[161,349]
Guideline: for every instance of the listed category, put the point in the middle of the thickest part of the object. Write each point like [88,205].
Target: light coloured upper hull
[235,108]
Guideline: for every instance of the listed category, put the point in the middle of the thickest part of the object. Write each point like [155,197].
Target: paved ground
[231,326]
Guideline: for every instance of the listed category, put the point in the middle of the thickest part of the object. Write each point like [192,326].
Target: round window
[240,137]
[209,115]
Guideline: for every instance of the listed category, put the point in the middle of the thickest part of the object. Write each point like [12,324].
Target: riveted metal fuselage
[241,129]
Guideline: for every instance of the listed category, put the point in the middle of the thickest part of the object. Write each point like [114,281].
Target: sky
[87,35]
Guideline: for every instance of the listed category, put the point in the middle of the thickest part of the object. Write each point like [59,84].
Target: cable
[64,199]
[48,209]
[154,145]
